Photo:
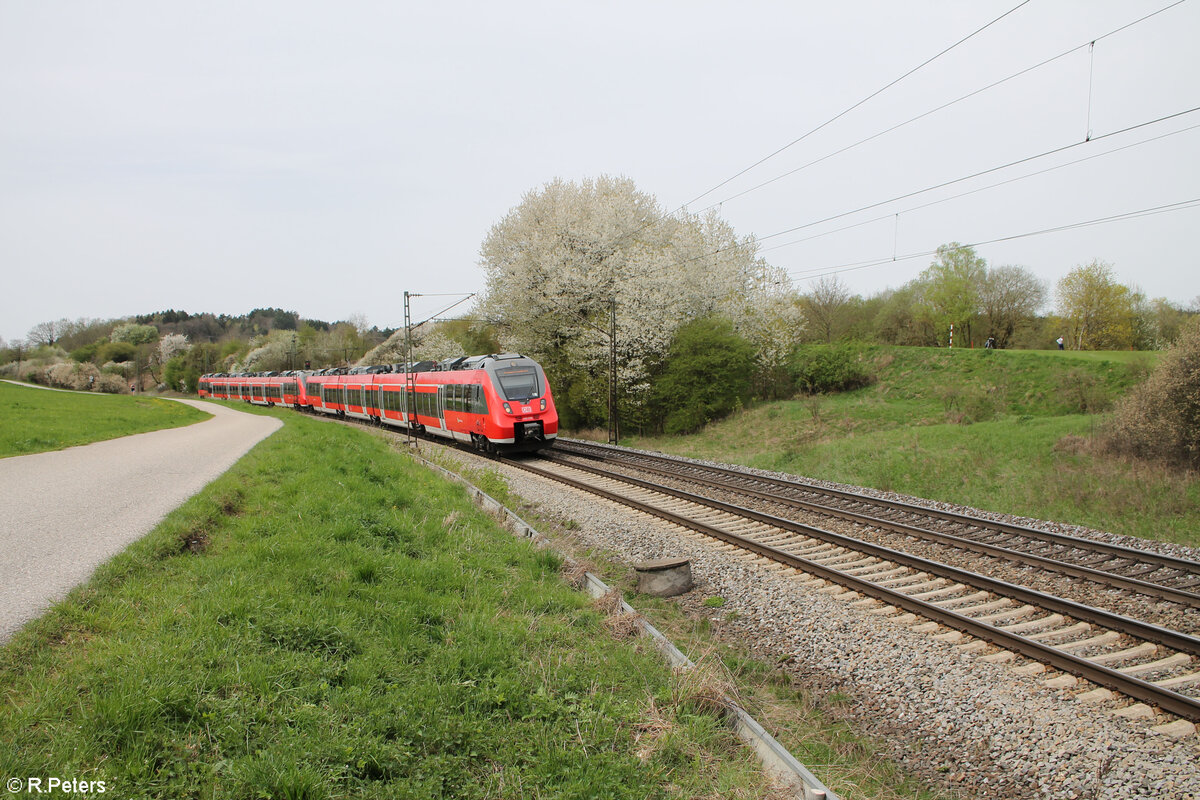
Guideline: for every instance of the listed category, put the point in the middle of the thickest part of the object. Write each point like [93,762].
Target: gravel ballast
[976,728]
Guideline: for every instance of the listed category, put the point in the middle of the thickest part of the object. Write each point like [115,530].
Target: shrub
[824,369]
[87,352]
[1160,419]
[111,384]
[707,375]
[116,351]
[1082,392]
[71,375]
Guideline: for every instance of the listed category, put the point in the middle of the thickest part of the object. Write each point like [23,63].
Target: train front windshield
[519,383]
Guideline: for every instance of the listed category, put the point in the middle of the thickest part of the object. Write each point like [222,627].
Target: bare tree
[825,305]
[1007,295]
[44,333]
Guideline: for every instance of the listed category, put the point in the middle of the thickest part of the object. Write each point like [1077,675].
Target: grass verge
[329,620]
[809,724]
[1005,431]
[34,420]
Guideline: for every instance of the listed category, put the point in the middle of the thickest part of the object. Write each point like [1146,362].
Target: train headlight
[507,408]
[543,404]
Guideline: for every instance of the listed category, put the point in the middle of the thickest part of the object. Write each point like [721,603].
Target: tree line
[586,275]
[597,282]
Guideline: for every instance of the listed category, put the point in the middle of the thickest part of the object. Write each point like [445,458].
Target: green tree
[900,320]
[1098,311]
[182,372]
[950,290]
[707,374]
[118,352]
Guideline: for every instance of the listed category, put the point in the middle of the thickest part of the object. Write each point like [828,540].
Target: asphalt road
[64,513]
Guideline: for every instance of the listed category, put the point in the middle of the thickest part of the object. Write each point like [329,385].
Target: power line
[1090,44]
[980,189]
[1088,138]
[942,185]
[895,127]
[821,272]
[869,97]
[981,173]
[447,308]
[824,124]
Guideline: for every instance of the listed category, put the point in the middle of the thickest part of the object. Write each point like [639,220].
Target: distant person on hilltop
[1060,342]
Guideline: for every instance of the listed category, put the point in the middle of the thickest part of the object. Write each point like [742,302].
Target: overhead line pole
[614,431]
[410,380]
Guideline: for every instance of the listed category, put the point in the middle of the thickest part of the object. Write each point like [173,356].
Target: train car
[260,388]
[493,403]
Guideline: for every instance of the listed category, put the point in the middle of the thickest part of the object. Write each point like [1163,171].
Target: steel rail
[1143,556]
[1170,701]
[1031,559]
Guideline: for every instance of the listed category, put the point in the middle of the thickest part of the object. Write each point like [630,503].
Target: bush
[1160,419]
[87,352]
[1082,392]
[116,351]
[706,375]
[823,369]
[71,375]
[111,384]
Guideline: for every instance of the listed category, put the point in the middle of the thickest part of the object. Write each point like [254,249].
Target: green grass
[810,725]
[352,628]
[34,420]
[1006,431]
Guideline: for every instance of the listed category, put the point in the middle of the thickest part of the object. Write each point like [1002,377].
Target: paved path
[64,513]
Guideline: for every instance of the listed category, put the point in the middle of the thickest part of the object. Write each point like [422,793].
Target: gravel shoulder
[64,513]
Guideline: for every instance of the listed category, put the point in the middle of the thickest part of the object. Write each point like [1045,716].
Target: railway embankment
[1010,432]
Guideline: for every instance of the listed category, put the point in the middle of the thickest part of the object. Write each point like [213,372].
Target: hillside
[1005,431]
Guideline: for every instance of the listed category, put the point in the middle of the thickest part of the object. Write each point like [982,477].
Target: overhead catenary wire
[978,189]
[981,173]
[856,105]
[821,272]
[907,195]
[1090,44]
[823,125]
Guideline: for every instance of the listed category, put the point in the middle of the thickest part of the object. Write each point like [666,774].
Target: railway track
[1153,575]
[1151,664]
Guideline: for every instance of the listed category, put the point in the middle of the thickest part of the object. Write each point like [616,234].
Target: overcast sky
[324,157]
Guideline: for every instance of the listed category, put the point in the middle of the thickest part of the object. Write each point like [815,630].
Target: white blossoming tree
[429,344]
[561,264]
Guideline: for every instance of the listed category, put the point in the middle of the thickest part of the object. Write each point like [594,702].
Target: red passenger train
[493,402]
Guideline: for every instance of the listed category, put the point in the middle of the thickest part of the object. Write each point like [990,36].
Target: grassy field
[354,628]
[1006,431]
[34,420]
